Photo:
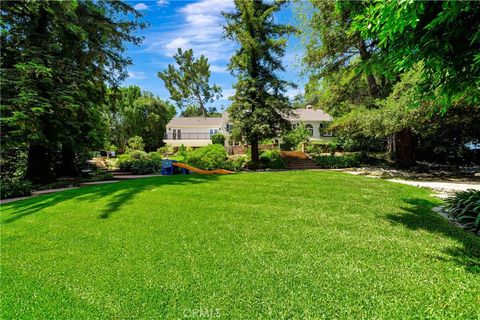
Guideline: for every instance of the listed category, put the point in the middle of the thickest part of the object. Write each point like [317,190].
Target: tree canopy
[189,83]
[136,113]
[444,36]
[383,69]
[57,58]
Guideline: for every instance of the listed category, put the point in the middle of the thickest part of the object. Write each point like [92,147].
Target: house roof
[310,114]
[307,114]
[212,122]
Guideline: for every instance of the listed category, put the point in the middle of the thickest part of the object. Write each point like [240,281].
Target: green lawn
[252,245]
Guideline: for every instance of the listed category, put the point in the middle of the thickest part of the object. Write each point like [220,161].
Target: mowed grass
[252,245]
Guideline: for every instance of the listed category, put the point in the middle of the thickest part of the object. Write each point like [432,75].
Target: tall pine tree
[259,105]
[189,84]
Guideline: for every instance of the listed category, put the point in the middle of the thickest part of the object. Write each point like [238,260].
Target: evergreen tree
[189,84]
[259,105]
[57,58]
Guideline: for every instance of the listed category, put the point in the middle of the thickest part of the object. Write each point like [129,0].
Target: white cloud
[140,6]
[176,43]
[217,69]
[162,3]
[200,28]
[136,75]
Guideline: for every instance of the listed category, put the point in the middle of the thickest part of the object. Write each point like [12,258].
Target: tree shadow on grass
[120,193]
[419,215]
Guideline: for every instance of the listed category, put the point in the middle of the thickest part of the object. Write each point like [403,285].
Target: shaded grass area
[294,244]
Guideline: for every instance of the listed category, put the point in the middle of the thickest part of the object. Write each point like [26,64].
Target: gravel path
[440,185]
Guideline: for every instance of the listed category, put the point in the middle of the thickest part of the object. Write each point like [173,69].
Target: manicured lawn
[256,245]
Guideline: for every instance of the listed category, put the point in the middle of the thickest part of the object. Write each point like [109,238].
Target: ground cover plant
[290,244]
[465,208]
[333,162]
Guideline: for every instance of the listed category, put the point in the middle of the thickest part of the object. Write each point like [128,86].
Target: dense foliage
[464,207]
[384,78]
[333,162]
[444,35]
[218,138]
[189,83]
[139,162]
[295,137]
[259,105]
[209,157]
[271,159]
[57,58]
[132,112]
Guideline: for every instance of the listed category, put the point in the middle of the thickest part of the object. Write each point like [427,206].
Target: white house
[197,131]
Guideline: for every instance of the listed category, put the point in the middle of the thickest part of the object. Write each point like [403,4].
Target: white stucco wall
[315,125]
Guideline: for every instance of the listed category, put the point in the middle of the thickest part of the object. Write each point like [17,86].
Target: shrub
[235,163]
[332,162]
[10,188]
[124,161]
[332,148]
[154,155]
[292,139]
[269,155]
[464,207]
[218,138]
[182,152]
[272,160]
[138,154]
[111,163]
[145,166]
[135,143]
[166,150]
[139,162]
[208,158]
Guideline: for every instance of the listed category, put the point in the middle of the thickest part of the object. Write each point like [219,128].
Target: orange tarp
[201,171]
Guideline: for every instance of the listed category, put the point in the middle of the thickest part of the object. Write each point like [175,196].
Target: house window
[294,126]
[309,127]
[212,132]
[174,134]
[179,134]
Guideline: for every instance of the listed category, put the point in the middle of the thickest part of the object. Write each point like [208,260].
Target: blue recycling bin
[167,167]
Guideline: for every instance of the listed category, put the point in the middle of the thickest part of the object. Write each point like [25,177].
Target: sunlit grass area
[291,244]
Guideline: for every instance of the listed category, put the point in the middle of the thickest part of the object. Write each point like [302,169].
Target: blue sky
[197,25]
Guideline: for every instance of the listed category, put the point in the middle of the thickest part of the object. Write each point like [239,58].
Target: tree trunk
[67,166]
[255,153]
[39,164]
[401,148]
[365,56]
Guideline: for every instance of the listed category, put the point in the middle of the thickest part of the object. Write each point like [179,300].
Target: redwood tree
[259,105]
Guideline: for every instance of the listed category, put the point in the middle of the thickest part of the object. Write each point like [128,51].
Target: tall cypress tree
[259,105]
